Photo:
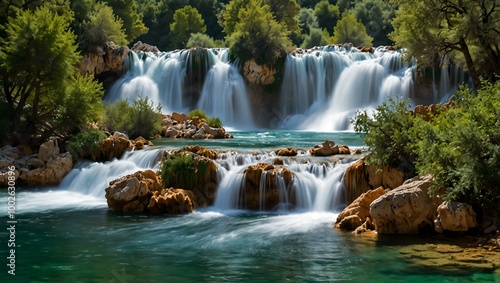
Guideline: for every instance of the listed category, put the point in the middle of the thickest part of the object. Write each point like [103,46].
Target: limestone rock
[132,193]
[407,209]
[172,201]
[326,149]
[48,150]
[258,74]
[179,117]
[455,217]
[108,59]
[144,47]
[359,207]
[360,178]
[290,151]
[51,174]
[112,147]
[272,181]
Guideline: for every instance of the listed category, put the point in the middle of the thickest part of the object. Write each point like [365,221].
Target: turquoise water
[64,235]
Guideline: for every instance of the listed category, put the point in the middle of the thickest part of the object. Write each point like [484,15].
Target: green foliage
[127,11]
[187,20]
[258,35]
[102,26]
[142,118]
[461,148]
[466,31]
[316,37]
[388,135]
[327,14]
[181,170]
[307,20]
[376,15]
[213,122]
[350,30]
[285,12]
[82,104]
[200,39]
[86,143]
[198,113]
[37,61]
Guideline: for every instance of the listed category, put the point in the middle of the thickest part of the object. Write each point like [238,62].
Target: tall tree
[127,11]
[466,31]
[350,30]
[327,14]
[376,15]
[37,68]
[187,20]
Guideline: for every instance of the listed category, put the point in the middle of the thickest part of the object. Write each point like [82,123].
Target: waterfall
[314,186]
[93,178]
[224,95]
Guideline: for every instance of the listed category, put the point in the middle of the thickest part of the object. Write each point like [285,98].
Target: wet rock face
[407,209]
[265,186]
[258,74]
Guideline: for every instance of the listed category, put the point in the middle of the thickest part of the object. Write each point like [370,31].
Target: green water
[69,236]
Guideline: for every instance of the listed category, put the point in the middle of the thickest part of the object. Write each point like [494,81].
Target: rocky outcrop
[358,211]
[108,59]
[455,217]
[329,148]
[265,186]
[144,47]
[172,201]
[360,178]
[258,74]
[179,125]
[47,167]
[290,151]
[408,209]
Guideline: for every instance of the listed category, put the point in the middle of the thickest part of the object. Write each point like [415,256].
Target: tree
[187,20]
[466,31]
[307,20]
[127,11]
[258,35]
[316,37]
[285,11]
[327,14]
[376,15]
[102,26]
[350,30]
[37,67]
[200,39]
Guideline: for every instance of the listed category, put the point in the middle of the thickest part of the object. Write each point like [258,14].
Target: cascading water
[224,95]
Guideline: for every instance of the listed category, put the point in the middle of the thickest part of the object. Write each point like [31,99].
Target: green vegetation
[350,30]
[213,122]
[142,118]
[182,170]
[466,31]
[187,21]
[40,83]
[459,145]
[86,143]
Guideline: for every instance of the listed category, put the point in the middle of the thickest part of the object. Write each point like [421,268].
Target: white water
[224,95]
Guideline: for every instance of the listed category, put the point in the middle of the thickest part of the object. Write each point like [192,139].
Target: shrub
[213,122]
[85,144]
[389,135]
[142,118]
[181,170]
[461,148]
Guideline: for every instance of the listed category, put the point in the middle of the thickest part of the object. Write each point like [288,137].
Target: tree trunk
[470,64]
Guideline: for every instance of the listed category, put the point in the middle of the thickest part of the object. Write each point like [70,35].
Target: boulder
[258,74]
[132,193]
[48,150]
[144,47]
[172,201]
[51,174]
[455,217]
[179,117]
[360,178]
[359,207]
[326,149]
[290,151]
[408,209]
[112,147]
[110,59]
